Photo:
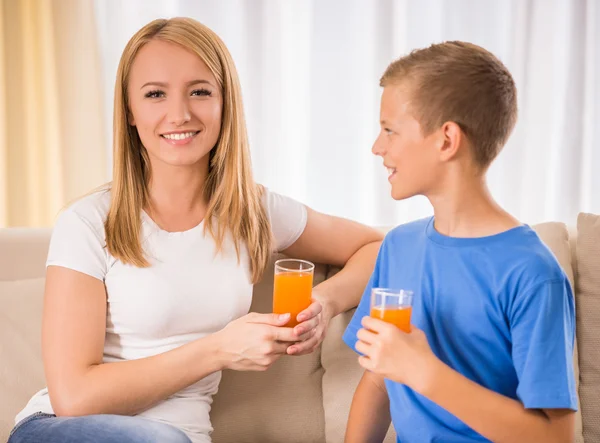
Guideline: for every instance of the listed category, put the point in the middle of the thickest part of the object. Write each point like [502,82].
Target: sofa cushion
[21,370]
[271,406]
[588,321]
[342,374]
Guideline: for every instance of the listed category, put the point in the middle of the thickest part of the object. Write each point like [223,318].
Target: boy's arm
[498,418]
[408,359]
[369,417]
[542,326]
[370,411]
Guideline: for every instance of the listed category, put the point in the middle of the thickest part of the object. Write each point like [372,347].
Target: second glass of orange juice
[292,287]
[392,306]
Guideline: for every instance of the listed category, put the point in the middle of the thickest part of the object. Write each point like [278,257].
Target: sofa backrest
[558,239]
[281,404]
[22,270]
[588,322]
[300,399]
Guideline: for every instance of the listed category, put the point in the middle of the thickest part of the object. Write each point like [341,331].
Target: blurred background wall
[309,71]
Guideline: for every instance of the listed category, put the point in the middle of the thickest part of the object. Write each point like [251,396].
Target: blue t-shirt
[497,309]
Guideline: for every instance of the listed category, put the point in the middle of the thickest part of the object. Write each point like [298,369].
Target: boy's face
[411,159]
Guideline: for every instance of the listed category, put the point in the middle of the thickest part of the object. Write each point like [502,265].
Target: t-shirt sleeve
[542,322]
[364,307]
[76,244]
[287,217]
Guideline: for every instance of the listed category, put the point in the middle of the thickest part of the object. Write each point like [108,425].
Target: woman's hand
[255,341]
[315,320]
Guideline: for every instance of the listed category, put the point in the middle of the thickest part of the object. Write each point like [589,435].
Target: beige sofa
[300,399]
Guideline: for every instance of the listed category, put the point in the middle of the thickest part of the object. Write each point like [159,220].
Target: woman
[149,281]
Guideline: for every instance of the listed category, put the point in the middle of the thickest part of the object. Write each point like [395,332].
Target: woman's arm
[339,242]
[74,327]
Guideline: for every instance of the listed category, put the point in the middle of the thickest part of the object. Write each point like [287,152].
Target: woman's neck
[177,199]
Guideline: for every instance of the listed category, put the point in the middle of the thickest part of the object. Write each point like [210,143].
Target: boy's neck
[464,207]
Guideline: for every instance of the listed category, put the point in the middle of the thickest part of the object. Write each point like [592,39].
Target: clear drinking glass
[392,306]
[292,287]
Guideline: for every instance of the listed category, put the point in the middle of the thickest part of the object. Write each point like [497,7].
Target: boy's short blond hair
[463,83]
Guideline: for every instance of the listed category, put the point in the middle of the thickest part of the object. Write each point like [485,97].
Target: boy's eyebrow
[164,85]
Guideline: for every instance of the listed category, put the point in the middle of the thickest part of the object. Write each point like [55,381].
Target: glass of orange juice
[292,287]
[392,306]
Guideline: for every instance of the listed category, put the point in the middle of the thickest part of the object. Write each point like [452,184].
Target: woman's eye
[201,92]
[154,94]
[387,131]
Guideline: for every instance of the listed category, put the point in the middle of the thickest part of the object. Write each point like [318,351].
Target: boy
[490,354]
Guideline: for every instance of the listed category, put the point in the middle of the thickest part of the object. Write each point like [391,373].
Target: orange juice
[292,293]
[399,316]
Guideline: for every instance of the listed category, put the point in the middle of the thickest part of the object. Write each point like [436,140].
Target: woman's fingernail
[284,317]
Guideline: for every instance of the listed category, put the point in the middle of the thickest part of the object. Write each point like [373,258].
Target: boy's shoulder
[414,229]
[519,252]
[535,259]
[520,261]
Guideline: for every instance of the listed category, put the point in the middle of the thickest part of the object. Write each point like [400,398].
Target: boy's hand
[396,355]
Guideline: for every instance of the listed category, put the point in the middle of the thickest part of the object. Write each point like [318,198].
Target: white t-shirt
[187,292]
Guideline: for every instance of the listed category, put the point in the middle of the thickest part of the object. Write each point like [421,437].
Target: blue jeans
[46,428]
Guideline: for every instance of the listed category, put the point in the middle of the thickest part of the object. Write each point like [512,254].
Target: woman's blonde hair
[234,198]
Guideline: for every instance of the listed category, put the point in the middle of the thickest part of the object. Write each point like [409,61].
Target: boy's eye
[387,131]
[154,94]
[201,92]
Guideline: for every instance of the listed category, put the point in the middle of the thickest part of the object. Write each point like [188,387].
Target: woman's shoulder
[78,238]
[287,217]
[275,203]
[91,210]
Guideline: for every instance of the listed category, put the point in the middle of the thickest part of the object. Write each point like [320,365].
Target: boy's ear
[451,139]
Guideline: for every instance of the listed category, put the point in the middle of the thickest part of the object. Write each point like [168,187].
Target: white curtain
[310,70]
[52,146]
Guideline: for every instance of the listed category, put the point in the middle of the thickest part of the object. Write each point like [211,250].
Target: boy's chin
[402,194]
